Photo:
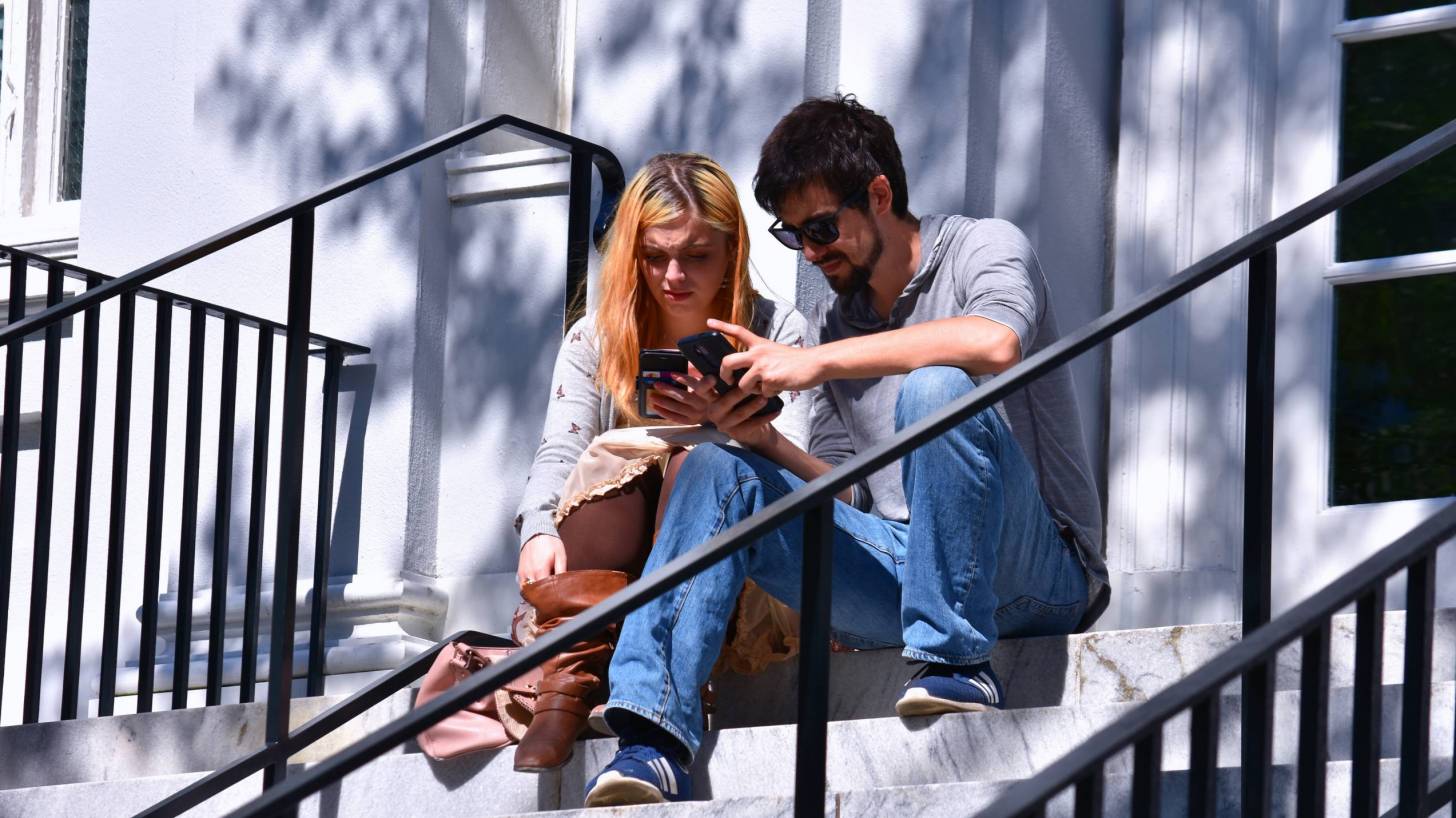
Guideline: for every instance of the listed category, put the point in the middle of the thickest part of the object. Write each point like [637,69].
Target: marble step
[1005,745]
[165,742]
[757,763]
[1103,667]
[935,800]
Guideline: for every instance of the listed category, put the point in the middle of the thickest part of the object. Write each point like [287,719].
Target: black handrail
[185,302]
[820,492]
[332,350]
[1252,653]
[582,151]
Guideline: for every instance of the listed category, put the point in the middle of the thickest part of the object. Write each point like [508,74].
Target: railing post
[1366,717]
[812,742]
[1147,775]
[222,509]
[1090,791]
[10,447]
[290,488]
[187,547]
[1415,717]
[1203,759]
[81,520]
[1258,688]
[156,491]
[258,502]
[116,524]
[578,234]
[45,486]
[1259,440]
[1314,715]
[318,613]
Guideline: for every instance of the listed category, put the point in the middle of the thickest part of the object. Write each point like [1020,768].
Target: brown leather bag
[492,722]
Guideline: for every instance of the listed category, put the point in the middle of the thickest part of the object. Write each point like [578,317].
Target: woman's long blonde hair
[668,186]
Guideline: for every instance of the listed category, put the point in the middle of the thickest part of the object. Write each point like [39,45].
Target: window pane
[1397,90]
[1394,424]
[73,126]
[1372,8]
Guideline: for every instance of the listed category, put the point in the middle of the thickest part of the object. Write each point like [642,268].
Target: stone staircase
[1060,690]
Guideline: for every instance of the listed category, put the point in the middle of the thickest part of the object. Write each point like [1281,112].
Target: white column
[1197,86]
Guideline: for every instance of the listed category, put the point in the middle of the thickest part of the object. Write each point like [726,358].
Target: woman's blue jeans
[980,558]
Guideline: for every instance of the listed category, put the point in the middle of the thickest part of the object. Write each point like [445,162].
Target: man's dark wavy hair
[836,142]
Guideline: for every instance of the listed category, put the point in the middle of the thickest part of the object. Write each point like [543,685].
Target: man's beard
[859,274]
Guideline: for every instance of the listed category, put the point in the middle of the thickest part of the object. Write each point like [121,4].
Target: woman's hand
[687,402]
[734,412]
[696,401]
[541,556]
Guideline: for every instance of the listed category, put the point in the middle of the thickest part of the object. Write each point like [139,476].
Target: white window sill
[1419,21]
[483,178]
[53,232]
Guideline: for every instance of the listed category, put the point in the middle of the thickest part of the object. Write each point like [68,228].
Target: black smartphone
[706,351]
[656,366]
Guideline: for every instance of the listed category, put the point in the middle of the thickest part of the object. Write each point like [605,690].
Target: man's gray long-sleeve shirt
[986,268]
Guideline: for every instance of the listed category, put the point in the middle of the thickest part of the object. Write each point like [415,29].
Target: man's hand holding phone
[741,415]
[766,367]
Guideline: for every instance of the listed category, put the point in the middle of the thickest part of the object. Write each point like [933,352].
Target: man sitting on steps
[992,529]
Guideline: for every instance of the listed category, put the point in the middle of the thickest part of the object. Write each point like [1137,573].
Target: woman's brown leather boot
[571,680]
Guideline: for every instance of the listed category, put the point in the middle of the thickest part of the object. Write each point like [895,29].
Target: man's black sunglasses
[823,230]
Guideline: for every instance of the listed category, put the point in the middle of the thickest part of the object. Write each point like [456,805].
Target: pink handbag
[490,723]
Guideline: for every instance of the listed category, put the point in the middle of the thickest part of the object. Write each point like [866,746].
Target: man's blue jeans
[981,557]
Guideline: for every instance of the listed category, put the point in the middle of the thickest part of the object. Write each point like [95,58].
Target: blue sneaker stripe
[981,686]
[989,686]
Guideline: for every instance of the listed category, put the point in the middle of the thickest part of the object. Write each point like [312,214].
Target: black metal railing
[21,265]
[299,343]
[1309,623]
[815,500]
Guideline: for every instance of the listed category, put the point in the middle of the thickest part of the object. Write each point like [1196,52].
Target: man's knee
[709,461]
[926,389]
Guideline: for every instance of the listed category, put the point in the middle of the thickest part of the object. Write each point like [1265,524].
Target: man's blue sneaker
[639,774]
[950,689]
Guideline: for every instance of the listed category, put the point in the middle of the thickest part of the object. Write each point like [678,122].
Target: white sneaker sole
[918,702]
[616,790]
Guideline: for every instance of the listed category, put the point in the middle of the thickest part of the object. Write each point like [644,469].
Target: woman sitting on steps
[676,256]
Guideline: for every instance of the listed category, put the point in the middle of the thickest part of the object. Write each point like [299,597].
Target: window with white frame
[1393,395]
[43,50]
